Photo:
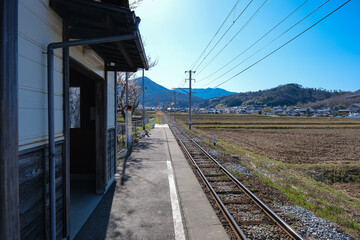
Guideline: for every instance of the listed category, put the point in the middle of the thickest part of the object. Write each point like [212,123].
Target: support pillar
[9,161]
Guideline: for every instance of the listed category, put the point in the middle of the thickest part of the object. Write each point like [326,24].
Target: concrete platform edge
[199,217]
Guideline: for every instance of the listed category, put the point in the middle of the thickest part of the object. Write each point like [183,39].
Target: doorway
[85,144]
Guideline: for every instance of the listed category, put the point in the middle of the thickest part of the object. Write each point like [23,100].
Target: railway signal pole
[190,72]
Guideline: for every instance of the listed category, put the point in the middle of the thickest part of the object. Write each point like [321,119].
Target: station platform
[160,197]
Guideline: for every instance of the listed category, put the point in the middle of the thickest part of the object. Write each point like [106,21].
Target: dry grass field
[314,162]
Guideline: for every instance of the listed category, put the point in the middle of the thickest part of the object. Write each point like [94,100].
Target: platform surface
[159,199]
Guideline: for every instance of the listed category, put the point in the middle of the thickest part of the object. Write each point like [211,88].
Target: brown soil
[297,145]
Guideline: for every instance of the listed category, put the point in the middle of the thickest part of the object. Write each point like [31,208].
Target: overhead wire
[227,30]
[182,83]
[212,39]
[260,60]
[238,32]
[267,33]
[287,30]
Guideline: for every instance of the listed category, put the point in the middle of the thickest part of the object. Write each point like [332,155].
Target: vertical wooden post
[66,127]
[101,132]
[116,125]
[126,111]
[9,160]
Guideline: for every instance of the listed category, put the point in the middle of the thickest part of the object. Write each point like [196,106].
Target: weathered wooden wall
[34,192]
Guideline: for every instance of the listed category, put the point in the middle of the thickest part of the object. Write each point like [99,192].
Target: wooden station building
[68,100]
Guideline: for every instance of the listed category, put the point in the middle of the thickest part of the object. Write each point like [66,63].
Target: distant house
[280,112]
[256,111]
[58,108]
[344,112]
[354,108]
[324,112]
[304,111]
[243,111]
[203,110]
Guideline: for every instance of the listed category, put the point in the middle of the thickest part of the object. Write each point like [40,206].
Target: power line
[287,30]
[247,23]
[182,82]
[215,34]
[283,44]
[225,33]
[267,33]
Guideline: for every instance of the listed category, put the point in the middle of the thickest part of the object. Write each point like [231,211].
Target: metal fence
[136,127]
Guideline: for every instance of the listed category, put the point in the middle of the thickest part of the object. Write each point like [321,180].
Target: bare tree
[135,3]
[134,93]
[134,90]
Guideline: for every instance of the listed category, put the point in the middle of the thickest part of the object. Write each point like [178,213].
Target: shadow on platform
[97,224]
[103,223]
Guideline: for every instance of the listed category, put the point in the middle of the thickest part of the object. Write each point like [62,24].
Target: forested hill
[289,94]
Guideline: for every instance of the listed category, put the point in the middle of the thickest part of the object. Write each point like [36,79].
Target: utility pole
[190,122]
[143,100]
[174,105]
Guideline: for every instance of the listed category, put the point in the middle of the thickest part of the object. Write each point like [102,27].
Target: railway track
[246,215]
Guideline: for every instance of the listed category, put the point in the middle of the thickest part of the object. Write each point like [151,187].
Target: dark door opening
[84,144]
[82,126]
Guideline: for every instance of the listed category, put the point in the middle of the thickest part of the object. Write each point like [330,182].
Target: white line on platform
[161,126]
[178,225]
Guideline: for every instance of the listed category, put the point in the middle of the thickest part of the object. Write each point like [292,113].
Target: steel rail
[234,226]
[280,222]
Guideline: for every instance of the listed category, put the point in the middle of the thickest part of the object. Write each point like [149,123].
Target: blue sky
[327,56]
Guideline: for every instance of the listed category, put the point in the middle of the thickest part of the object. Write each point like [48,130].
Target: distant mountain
[155,93]
[289,94]
[208,93]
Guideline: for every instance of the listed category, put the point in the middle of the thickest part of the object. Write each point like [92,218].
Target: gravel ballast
[313,226]
[238,168]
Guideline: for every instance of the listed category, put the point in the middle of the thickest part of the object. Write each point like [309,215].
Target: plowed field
[288,139]
[297,145]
